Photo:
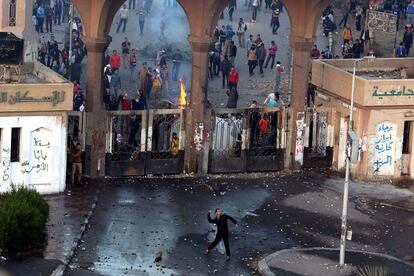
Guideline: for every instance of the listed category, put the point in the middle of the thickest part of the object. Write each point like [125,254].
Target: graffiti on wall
[5,166]
[38,166]
[198,136]
[384,144]
[300,132]
[98,139]
[322,133]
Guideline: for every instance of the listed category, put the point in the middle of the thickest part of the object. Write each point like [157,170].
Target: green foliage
[371,270]
[23,217]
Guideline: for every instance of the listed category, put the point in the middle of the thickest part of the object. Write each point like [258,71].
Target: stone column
[196,126]
[97,125]
[301,65]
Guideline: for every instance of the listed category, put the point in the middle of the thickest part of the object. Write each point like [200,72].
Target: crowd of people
[153,82]
[223,54]
[357,41]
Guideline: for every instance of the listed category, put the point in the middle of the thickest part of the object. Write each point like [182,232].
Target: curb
[62,268]
[264,268]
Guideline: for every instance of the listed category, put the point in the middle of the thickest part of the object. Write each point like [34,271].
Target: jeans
[123,21]
[176,70]
[225,75]
[268,59]
[40,21]
[219,237]
[242,41]
[216,67]
[252,65]
[58,16]
[261,62]
[254,13]
[275,26]
[141,26]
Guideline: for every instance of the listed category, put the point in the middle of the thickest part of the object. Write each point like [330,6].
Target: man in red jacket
[115,61]
[233,79]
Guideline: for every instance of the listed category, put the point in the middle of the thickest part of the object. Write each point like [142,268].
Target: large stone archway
[202,15]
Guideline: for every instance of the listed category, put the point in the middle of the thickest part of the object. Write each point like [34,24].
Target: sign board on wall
[381,21]
[11,49]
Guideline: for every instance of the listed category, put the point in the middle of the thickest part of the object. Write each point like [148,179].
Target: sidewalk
[382,192]
[324,262]
[64,229]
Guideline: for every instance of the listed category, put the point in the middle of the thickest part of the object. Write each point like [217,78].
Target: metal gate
[145,142]
[318,150]
[247,140]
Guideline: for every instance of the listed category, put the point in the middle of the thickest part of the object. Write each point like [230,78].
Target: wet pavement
[66,217]
[135,218]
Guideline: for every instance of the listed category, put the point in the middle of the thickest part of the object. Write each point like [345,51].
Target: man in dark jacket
[222,230]
[408,38]
[225,67]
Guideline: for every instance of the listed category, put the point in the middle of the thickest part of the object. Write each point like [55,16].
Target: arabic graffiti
[384,149]
[300,132]
[19,97]
[381,21]
[98,139]
[37,167]
[5,171]
[198,136]
[393,93]
[322,134]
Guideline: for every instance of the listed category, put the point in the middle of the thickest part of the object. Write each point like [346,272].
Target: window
[15,145]
[12,13]
[406,137]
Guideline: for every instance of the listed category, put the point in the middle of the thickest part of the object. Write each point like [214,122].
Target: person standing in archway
[222,230]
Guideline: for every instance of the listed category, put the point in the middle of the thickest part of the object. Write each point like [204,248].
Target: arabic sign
[393,93]
[11,49]
[23,97]
[384,148]
[381,21]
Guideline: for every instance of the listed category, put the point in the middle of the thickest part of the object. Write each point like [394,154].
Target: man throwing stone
[222,230]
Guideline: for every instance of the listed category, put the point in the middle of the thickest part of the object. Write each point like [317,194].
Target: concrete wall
[42,158]
[46,91]
[333,77]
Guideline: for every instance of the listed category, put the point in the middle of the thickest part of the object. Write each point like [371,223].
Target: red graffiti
[98,139]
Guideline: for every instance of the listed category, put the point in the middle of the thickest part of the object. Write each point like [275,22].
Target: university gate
[247,140]
[151,142]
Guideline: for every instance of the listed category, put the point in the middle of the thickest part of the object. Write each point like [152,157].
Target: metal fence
[247,140]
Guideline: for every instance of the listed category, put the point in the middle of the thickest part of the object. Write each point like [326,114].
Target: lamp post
[348,165]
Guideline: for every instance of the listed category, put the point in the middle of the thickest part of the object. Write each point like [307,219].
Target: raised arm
[211,220]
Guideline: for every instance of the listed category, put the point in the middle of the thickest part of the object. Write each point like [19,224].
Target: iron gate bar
[243,162]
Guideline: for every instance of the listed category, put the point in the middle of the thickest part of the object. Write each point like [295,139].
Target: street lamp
[348,164]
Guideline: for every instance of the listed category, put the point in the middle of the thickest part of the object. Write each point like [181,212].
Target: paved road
[136,218]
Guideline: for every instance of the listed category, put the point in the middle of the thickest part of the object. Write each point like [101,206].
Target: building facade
[16,18]
[33,130]
[383,114]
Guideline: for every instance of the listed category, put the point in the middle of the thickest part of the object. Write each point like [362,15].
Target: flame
[182,102]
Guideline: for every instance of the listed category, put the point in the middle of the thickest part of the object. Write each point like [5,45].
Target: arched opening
[255,86]
[249,86]
[147,80]
[157,34]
